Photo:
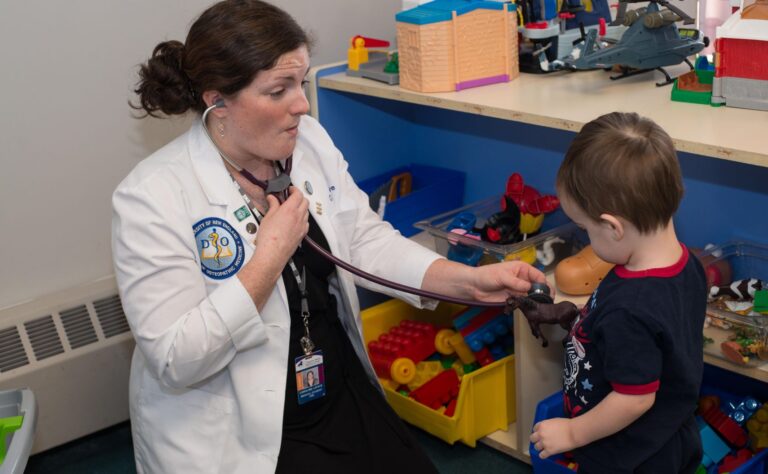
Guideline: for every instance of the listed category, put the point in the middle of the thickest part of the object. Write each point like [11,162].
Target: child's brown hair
[625,165]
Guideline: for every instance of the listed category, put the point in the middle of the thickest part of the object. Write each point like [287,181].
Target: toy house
[450,45]
[741,61]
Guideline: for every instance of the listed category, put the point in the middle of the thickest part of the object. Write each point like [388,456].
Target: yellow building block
[424,371]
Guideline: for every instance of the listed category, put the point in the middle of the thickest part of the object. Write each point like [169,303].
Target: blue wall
[723,200]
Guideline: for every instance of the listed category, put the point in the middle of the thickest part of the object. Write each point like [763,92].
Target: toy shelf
[538,373]
[566,101]
[525,126]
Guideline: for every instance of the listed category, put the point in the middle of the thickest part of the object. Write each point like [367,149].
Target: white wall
[66,133]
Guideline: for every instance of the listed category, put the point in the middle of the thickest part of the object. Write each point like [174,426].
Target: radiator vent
[111,316]
[43,337]
[78,327]
[12,354]
[73,349]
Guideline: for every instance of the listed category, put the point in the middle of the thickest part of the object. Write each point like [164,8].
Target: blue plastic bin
[552,407]
[434,190]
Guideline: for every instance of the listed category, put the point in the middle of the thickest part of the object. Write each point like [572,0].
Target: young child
[633,359]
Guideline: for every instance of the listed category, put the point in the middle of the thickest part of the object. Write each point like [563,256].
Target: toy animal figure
[739,289]
[536,313]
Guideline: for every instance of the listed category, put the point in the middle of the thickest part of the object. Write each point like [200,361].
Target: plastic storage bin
[558,237]
[433,190]
[745,260]
[15,404]
[552,407]
[486,401]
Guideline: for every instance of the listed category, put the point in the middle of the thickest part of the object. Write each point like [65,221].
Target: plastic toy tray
[746,260]
[556,225]
[486,401]
[18,444]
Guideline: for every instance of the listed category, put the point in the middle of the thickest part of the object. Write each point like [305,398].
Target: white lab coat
[208,375]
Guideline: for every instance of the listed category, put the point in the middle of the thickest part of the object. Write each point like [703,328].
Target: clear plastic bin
[557,239]
[745,260]
[17,405]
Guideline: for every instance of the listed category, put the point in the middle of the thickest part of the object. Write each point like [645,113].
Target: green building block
[8,426]
[761,301]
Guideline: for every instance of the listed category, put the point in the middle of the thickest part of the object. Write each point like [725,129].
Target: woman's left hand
[491,283]
[498,281]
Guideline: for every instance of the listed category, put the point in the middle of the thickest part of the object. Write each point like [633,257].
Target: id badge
[310,378]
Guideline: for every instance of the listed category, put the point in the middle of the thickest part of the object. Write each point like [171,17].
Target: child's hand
[553,436]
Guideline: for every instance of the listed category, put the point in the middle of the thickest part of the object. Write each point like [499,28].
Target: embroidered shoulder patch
[219,246]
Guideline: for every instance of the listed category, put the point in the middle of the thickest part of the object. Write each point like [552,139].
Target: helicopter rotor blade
[620,13]
[687,20]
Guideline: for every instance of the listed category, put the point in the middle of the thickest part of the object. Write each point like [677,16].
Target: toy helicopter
[652,42]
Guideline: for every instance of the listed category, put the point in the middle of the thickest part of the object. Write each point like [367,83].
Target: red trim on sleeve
[663,272]
[636,389]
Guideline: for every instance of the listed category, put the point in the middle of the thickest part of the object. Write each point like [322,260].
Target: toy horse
[536,313]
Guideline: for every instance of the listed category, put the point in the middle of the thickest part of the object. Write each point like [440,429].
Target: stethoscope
[279,188]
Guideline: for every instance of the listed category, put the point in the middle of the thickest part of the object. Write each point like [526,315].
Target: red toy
[706,402]
[732,462]
[395,353]
[528,199]
[438,391]
[725,427]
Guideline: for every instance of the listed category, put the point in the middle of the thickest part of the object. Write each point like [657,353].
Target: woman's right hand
[280,232]
[284,225]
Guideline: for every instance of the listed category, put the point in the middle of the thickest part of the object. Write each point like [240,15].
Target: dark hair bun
[163,85]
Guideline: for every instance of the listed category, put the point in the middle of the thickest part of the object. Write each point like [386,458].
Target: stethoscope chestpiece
[539,292]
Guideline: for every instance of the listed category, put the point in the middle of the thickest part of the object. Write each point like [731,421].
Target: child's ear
[615,224]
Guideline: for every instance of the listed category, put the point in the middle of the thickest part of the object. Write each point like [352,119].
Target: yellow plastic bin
[486,400]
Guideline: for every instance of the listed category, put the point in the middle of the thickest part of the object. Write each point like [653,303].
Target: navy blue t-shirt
[640,332]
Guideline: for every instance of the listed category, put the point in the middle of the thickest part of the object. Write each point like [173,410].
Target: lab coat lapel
[218,186]
[308,177]
[319,206]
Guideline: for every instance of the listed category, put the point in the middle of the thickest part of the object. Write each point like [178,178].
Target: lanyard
[301,279]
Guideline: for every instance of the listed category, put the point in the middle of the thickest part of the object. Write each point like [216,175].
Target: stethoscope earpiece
[219,104]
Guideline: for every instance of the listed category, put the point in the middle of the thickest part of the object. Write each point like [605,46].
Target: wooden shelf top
[567,101]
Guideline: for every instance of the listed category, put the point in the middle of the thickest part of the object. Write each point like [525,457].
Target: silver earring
[220,129]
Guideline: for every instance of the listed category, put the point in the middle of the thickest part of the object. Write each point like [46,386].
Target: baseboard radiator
[73,349]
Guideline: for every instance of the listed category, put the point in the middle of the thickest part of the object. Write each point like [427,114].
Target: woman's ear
[615,224]
[212,97]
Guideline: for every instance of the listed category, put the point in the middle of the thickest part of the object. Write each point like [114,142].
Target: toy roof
[441,10]
[739,28]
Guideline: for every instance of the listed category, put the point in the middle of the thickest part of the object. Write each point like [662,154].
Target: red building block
[438,391]
[395,353]
[732,462]
[726,427]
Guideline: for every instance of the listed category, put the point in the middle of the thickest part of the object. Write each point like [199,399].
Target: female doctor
[228,310]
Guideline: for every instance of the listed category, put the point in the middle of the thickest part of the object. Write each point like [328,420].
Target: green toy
[7,426]
[761,301]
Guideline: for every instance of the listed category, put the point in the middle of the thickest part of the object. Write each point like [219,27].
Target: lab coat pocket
[184,430]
